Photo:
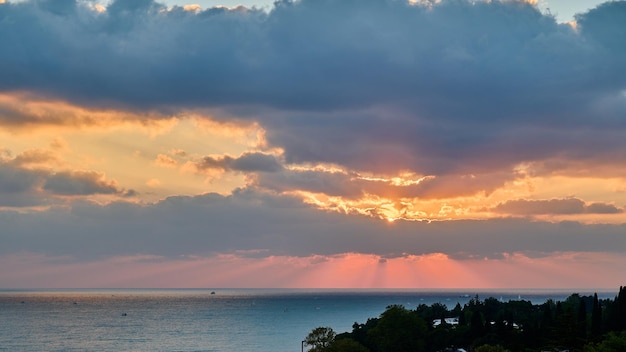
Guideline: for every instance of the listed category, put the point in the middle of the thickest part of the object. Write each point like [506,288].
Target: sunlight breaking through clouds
[400,140]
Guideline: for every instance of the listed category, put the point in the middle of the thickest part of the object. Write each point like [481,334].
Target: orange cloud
[245,132]
[165,161]
[21,112]
[36,158]
[192,8]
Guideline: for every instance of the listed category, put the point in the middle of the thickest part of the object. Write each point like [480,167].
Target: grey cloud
[605,24]
[247,162]
[16,180]
[353,185]
[376,85]
[79,183]
[279,225]
[330,183]
[554,206]
[21,187]
[18,187]
[602,208]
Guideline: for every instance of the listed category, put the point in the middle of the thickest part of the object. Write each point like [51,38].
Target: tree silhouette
[596,317]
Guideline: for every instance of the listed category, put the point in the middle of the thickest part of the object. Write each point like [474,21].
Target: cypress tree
[621,309]
[581,319]
[477,326]
[596,317]
[462,318]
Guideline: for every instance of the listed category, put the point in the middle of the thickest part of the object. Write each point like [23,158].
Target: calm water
[196,320]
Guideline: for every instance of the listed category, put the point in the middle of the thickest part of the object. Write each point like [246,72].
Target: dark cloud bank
[377,85]
[249,220]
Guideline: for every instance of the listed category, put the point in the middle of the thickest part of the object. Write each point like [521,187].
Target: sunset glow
[312,144]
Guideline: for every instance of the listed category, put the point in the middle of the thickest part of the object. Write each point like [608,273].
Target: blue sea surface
[240,320]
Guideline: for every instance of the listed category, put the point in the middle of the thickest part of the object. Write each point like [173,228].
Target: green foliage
[566,332]
[345,345]
[361,333]
[436,311]
[399,330]
[576,324]
[320,339]
[491,348]
[614,342]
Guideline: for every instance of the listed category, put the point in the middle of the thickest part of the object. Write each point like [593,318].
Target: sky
[563,10]
[313,144]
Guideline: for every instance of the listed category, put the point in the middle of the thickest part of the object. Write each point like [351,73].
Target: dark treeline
[579,323]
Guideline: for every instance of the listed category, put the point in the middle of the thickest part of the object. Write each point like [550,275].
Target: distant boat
[212,292]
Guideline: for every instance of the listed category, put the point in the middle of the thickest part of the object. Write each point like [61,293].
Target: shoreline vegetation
[577,324]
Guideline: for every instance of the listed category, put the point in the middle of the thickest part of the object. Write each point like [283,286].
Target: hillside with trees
[577,324]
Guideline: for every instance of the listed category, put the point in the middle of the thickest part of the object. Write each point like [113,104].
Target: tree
[613,342]
[346,345]
[581,319]
[596,317]
[320,338]
[399,330]
[491,348]
[477,325]
[361,333]
[457,311]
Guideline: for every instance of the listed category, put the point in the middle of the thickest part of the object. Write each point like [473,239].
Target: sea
[216,320]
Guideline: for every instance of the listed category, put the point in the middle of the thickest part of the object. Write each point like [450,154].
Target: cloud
[246,162]
[604,25]
[602,208]
[460,98]
[271,225]
[554,206]
[18,186]
[20,112]
[331,183]
[26,181]
[165,161]
[33,157]
[70,183]
[353,185]
[380,86]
